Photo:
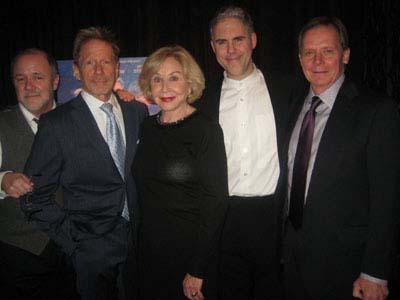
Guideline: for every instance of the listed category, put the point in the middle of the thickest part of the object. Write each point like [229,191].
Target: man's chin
[100,90]
[38,107]
[101,94]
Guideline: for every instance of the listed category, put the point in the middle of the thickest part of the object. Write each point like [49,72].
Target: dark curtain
[145,25]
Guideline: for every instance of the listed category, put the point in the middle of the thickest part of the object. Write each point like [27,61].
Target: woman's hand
[192,287]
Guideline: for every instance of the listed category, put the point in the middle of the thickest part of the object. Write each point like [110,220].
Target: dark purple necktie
[300,166]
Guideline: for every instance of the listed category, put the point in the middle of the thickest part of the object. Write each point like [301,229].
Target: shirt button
[241,99]
[244,174]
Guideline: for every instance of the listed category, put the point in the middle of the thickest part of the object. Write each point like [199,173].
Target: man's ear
[346,56]
[212,45]
[76,72]
[117,71]
[56,82]
[253,38]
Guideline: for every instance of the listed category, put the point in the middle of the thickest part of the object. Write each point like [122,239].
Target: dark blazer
[280,91]
[351,215]
[70,151]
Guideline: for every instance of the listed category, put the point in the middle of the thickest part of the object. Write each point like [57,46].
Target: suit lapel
[333,141]
[209,102]
[295,109]
[216,103]
[279,101]
[88,127]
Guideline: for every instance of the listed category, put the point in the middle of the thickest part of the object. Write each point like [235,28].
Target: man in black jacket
[251,106]
[343,209]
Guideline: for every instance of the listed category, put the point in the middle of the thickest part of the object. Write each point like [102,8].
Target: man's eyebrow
[221,40]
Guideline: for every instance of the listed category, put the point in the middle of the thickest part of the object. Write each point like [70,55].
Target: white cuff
[3,193]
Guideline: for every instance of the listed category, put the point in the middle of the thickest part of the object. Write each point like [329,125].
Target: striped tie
[300,166]
[116,144]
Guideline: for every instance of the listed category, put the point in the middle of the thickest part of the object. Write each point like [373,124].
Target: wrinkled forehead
[31,63]
[320,36]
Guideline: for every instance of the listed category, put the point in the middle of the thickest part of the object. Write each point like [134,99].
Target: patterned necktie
[300,165]
[116,144]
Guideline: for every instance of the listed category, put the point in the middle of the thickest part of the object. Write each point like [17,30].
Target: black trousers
[340,286]
[292,256]
[24,275]
[249,258]
[294,286]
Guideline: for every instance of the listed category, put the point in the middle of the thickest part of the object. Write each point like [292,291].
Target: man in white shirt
[251,106]
[27,265]
[86,147]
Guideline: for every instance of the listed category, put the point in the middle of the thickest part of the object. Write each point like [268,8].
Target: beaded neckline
[177,122]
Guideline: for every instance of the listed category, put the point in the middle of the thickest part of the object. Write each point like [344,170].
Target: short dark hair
[94,33]
[232,11]
[32,51]
[326,21]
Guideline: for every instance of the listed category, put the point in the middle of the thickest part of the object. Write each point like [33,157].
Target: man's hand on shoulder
[16,184]
[127,96]
[367,290]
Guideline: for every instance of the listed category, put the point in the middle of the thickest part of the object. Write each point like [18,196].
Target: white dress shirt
[33,125]
[100,116]
[248,123]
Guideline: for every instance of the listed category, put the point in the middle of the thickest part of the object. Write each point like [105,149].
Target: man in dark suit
[251,106]
[87,146]
[343,183]
[30,266]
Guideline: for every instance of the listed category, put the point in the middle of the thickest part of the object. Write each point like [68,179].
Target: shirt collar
[93,102]
[28,115]
[328,97]
[232,83]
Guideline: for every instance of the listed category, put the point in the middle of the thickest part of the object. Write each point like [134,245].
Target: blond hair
[191,71]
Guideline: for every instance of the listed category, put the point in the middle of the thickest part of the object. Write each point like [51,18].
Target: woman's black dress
[180,170]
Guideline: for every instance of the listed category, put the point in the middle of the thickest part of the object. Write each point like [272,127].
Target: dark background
[145,25]
[142,26]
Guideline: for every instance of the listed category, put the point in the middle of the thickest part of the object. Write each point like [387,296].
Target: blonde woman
[181,174]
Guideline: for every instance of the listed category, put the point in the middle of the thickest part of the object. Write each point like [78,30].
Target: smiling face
[97,69]
[170,90]
[34,83]
[233,46]
[322,57]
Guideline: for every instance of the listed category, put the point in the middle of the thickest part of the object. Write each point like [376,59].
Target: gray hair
[33,51]
[326,21]
[232,12]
